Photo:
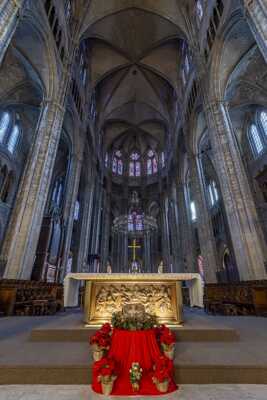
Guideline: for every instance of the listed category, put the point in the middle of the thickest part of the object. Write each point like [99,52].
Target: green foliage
[133,323]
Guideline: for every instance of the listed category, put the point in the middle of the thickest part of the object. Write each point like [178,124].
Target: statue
[161,267]
[109,268]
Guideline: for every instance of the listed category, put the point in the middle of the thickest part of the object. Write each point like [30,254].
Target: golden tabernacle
[106,294]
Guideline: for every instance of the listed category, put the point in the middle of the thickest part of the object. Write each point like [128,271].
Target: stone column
[23,231]
[9,17]
[246,234]
[204,226]
[256,14]
[105,232]
[69,209]
[86,224]
[165,239]
[185,232]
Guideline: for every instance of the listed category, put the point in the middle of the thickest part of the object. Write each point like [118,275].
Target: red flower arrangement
[164,335]
[167,338]
[106,329]
[163,370]
[102,338]
[106,369]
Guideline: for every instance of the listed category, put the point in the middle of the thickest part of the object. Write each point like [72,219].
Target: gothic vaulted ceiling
[135,53]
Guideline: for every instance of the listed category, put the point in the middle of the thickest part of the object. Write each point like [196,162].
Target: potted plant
[106,374]
[135,376]
[167,342]
[162,372]
[101,341]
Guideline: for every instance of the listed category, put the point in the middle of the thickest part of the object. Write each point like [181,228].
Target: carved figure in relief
[155,299]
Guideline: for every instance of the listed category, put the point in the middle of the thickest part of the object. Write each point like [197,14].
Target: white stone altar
[106,293]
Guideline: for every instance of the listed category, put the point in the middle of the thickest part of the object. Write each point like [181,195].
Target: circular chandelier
[135,223]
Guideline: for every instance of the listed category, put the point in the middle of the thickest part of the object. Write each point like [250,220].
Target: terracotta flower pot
[162,386]
[107,387]
[98,354]
[169,351]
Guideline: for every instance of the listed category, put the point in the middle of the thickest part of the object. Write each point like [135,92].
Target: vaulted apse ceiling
[135,54]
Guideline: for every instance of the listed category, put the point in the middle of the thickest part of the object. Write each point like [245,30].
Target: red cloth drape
[128,347]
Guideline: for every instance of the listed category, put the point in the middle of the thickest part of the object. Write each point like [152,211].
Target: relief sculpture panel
[157,298]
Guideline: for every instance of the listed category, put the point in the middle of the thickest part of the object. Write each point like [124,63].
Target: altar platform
[36,350]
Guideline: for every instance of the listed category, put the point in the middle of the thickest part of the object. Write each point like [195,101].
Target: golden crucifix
[134,246]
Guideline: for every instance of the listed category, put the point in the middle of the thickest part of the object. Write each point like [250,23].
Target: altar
[161,294]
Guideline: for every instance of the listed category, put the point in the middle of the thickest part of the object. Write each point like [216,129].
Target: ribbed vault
[135,53]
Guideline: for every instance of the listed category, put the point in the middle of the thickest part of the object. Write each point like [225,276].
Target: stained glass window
[4,124]
[77,211]
[130,223]
[152,163]
[13,139]
[162,159]
[263,119]
[134,164]
[106,160]
[137,168]
[255,140]
[117,163]
[186,64]
[199,9]
[193,211]
[114,165]
[215,191]
[131,168]
[135,222]
[149,166]
[120,167]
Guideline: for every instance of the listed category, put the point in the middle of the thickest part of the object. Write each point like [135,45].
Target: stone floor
[186,392]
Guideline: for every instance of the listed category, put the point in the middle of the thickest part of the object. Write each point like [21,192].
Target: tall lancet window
[117,164]
[152,162]
[4,125]
[255,140]
[199,10]
[13,139]
[263,120]
[135,164]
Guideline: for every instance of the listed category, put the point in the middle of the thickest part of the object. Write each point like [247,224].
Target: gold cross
[134,246]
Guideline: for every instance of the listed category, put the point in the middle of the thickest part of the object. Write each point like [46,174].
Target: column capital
[215,103]
[53,103]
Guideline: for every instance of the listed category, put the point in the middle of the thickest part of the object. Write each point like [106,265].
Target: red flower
[163,369]
[105,367]
[167,338]
[106,329]
[101,339]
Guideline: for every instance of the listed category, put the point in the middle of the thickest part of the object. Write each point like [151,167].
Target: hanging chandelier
[135,223]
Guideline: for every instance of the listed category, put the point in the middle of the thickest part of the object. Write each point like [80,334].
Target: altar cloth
[71,284]
[128,347]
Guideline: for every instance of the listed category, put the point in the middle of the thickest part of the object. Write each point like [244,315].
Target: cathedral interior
[133,122]
[133,139]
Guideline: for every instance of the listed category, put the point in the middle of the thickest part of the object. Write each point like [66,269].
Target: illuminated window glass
[13,139]
[131,168]
[255,140]
[77,211]
[134,164]
[149,166]
[120,167]
[114,165]
[138,168]
[162,160]
[106,160]
[186,64]
[193,211]
[4,124]
[199,9]
[263,119]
